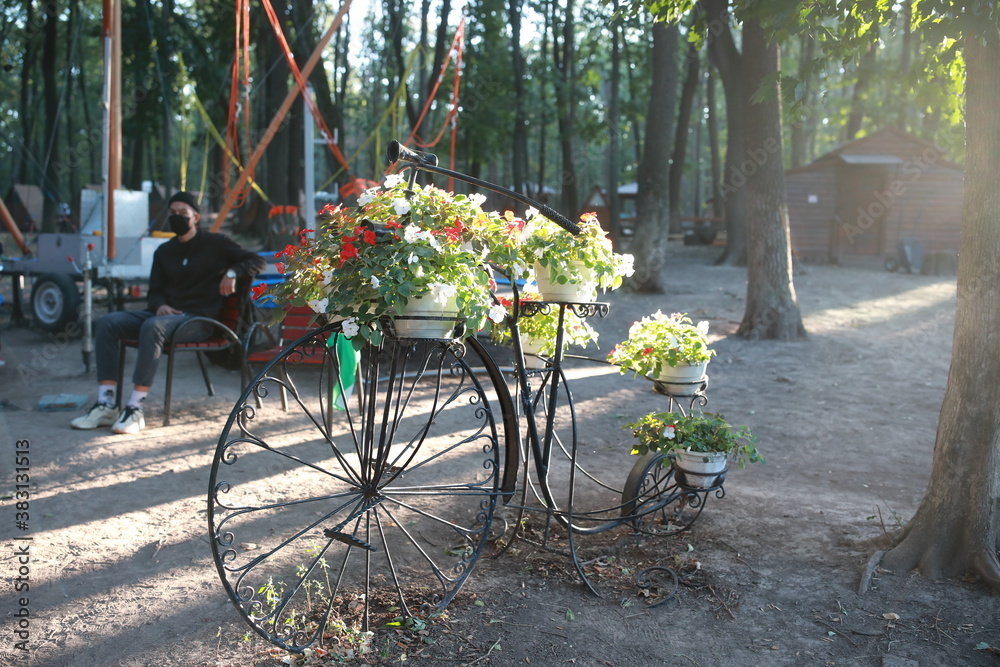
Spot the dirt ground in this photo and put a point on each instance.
(121, 572)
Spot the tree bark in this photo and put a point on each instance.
(519, 136)
(729, 63)
(565, 60)
(51, 143)
(866, 69)
(691, 80)
(614, 130)
(712, 122)
(652, 219)
(27, 172)
(807, 51)
(957, 528)
(772, 310)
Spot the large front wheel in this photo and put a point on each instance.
(354, 512)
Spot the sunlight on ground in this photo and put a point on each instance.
(875, 311)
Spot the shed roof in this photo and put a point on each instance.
(875, 158)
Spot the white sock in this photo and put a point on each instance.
(106, 394)
(136, 399)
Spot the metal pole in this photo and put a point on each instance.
(308, 212)
(88, 308)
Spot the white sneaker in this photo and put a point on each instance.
(130, 421)
(96, 417)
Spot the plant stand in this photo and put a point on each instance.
(654, 499)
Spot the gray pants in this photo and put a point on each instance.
(150, 330)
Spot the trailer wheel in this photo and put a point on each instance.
(55, 301)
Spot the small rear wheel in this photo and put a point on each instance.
(654, 503)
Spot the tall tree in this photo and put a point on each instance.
(653, 199)
(957, 526)
(564, 57)
(772, 310)
(728, 61)
(691, 80)
(51, 143)
(519, 145)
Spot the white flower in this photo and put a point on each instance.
(401, 206)
(328, 276)
(413, 259)
(703, 327)
(529, 288)
(392, 180)
(375, 282)
(319, 305)
(477, 199)
(628, 265)
(350, 327)
(530, 213)
(497, 313)
(412, 234)
(367, 196)
(441, 292)
(669, 432)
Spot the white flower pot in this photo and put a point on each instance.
(584, 291)
(531, 347)
(682, 379)
(423, 317)
(699, 470)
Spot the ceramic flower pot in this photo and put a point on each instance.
(424, 317)
(682, 379)
(570, 292)
(531, 348)
(699, 470)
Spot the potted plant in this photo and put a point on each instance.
(538, 331)
(670, 349)
(699, 445)
(571, 267)
(399, 249)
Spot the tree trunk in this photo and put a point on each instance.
(957, 528)
(712, 121)
(772, 310)
(652, 219)
(519, 136)
(691, 80)
(865, 72)
(27, 172)
(614, 130)
(51, 182)
(807, 51)
(729, 63)
(565, 60)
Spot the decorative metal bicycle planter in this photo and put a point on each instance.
(373, 508)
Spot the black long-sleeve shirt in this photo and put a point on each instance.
(186, 276)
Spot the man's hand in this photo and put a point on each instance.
(227, 286)
(167, 310)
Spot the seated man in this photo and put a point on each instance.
(191, 275)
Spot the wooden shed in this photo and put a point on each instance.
(865, 196)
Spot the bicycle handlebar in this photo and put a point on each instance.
(395, 152)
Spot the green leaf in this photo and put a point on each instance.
(570, 616)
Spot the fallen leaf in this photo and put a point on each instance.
(891, 617)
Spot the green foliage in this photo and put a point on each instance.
(669, 432)
(564, 255)
(543, 327)
(662, 340)
(367, 263)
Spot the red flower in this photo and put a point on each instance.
(280, 266)
(393, 224)
(346, 252)
(329, 209)
(289, 251)
(369, 237)
(648, 350)
(258, 290)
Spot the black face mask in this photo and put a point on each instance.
(179, 224)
